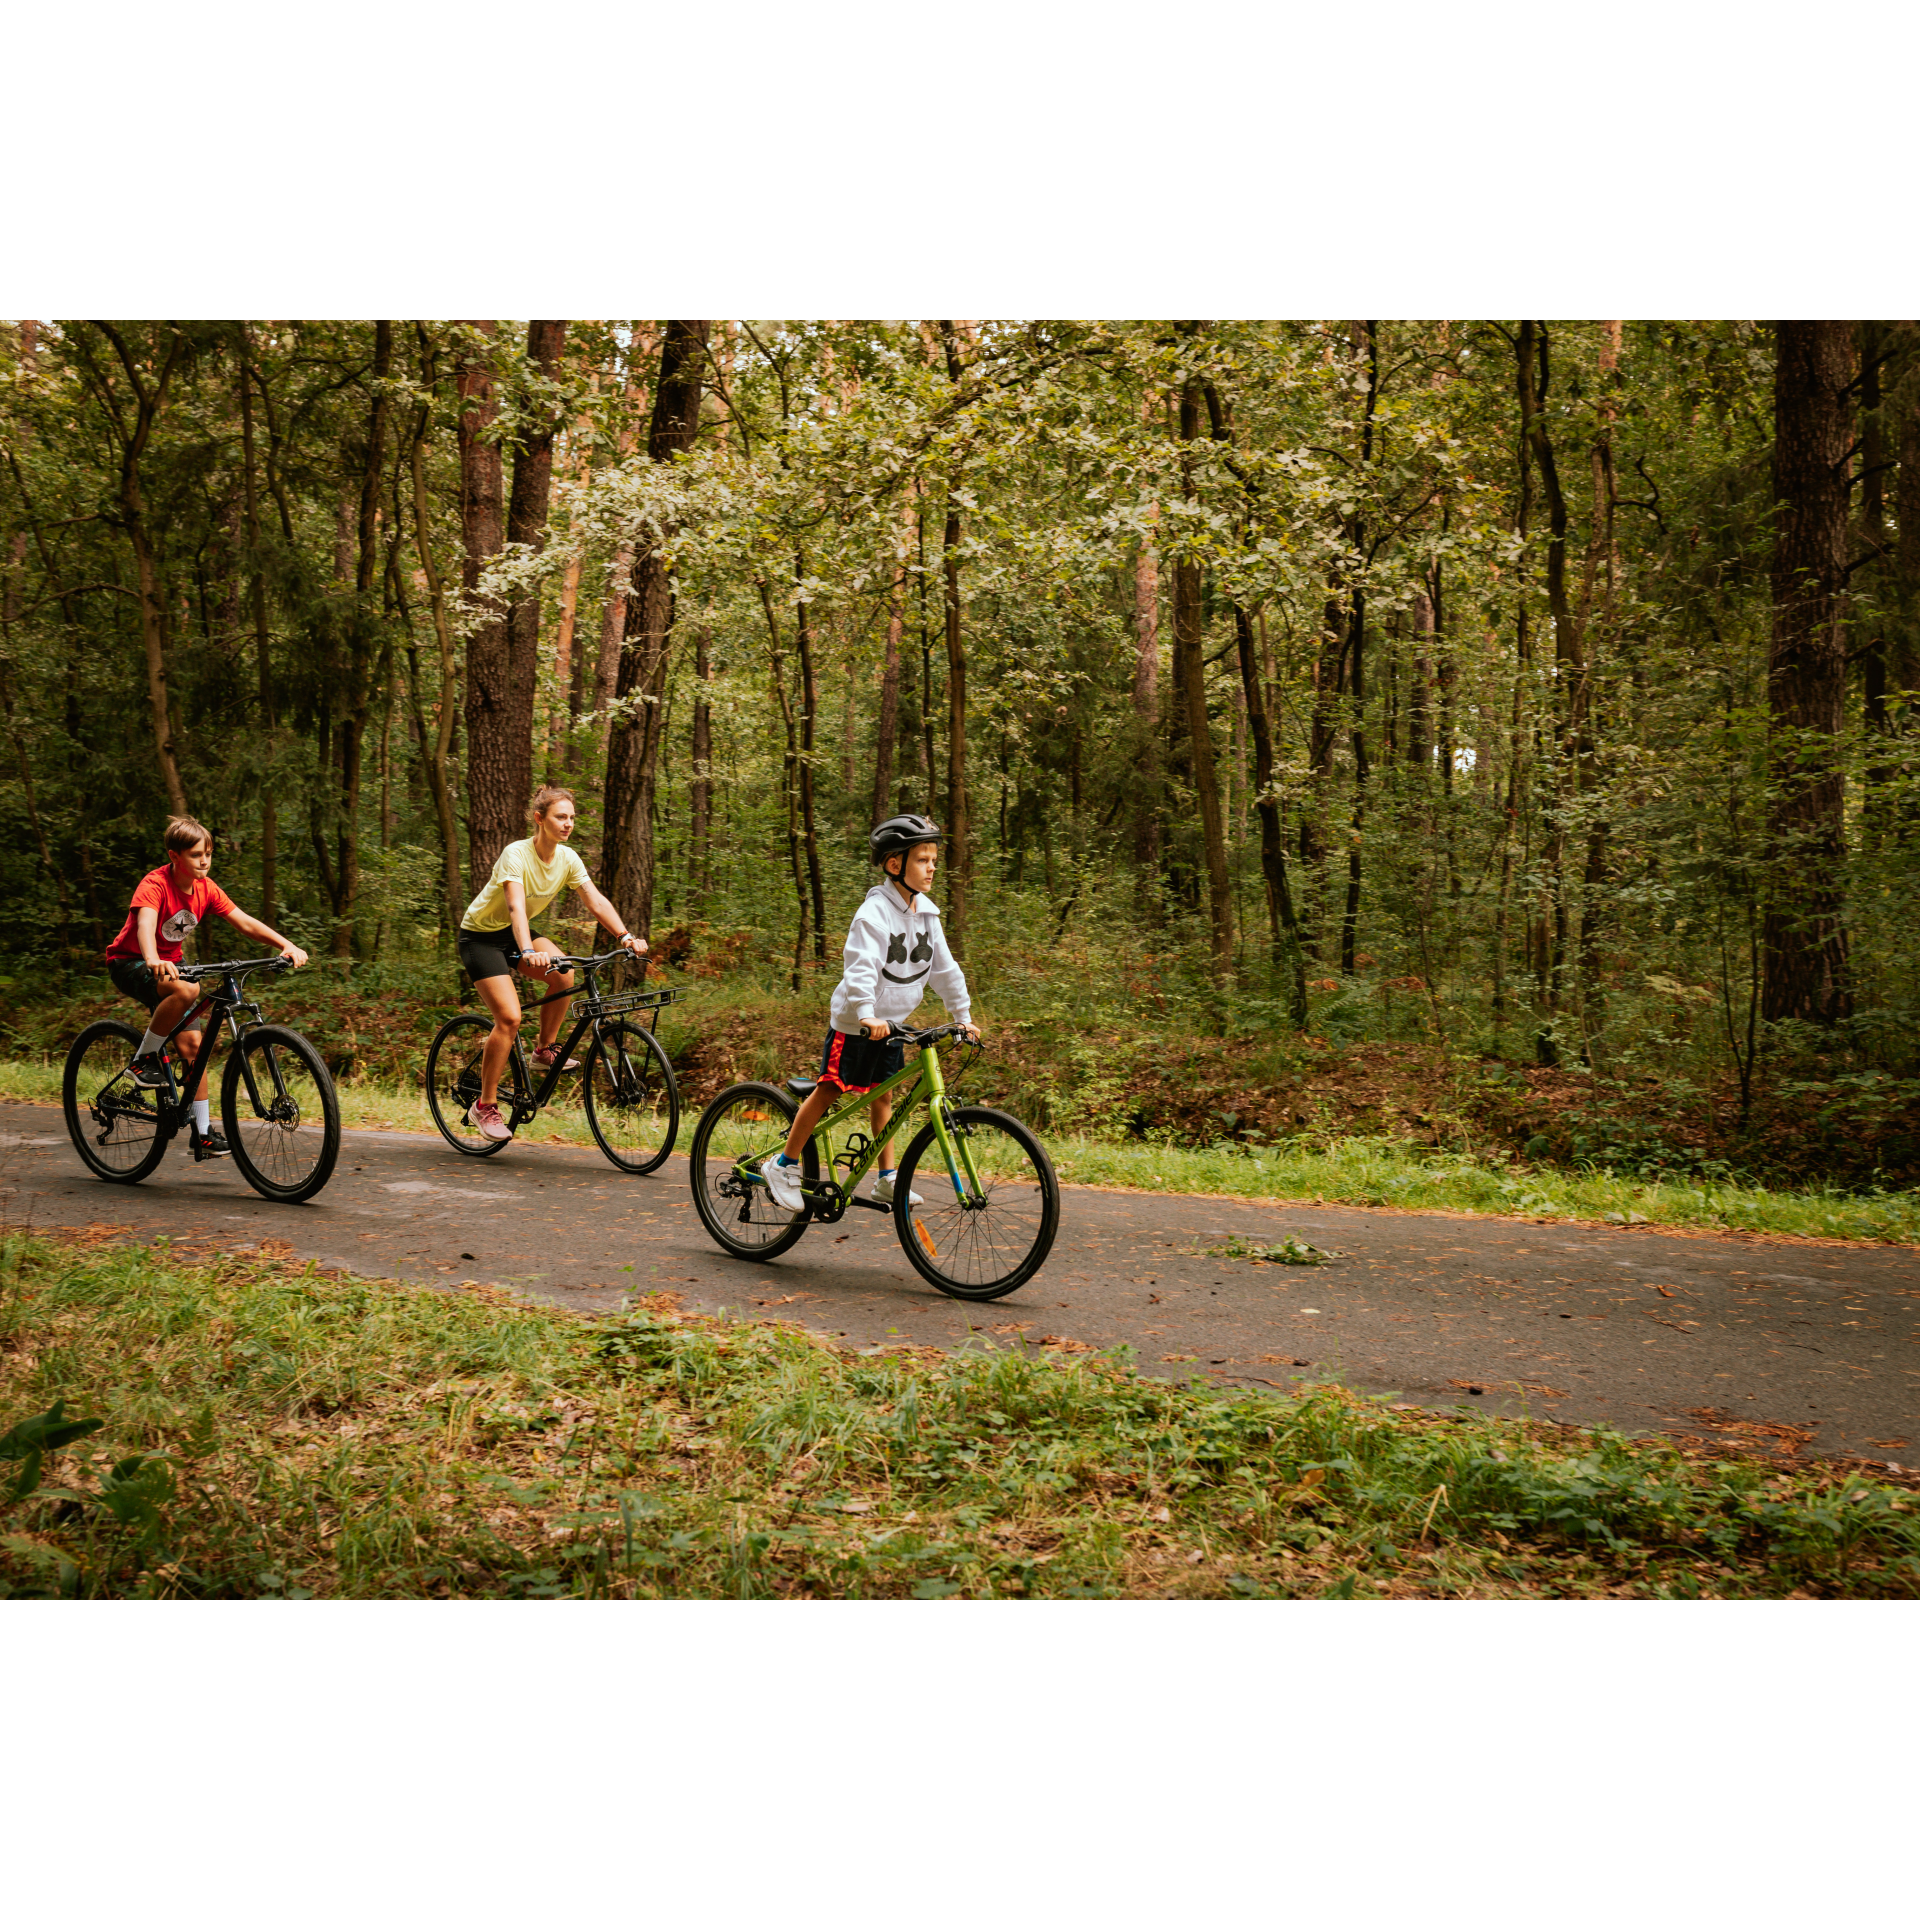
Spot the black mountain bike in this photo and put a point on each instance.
(277, 1103)
(630, 1094)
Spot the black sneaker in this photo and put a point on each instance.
(210, 1145)
(149, 1071)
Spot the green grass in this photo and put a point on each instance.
(1387, 1173)
(270, 1430)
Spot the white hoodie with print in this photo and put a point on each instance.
(893, 954)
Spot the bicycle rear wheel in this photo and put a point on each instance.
(116, 1127)
(453, 1083)
(282, 1115)
(986, 1243)
(632, 1098)
(741, 1127)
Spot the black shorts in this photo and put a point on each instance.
(853, 1063)
(493, 956)
(135, 979)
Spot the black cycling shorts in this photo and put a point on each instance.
(493, 956)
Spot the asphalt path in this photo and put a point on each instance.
(1635, 1328)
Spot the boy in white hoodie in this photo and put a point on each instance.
(895, 949)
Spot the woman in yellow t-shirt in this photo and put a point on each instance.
(496, 937)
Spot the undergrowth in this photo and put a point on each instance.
(271, 1430)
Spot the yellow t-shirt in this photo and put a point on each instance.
(542, 881)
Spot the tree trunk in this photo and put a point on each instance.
(363, 637)
(1146, 698)
(438, 742)
(809, 722)
(959, 838)
(527, 503)
(700, 787)
(1904, 664)
(131, 516)
(1803, 934)
(633, 748)
(493, 800)
(1187, 639)
(263, 652)
(885, 745)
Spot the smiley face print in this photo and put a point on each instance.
(898, 955)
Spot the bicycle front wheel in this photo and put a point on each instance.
(281, 1113)
(993, 1237)
(740, 1128)
(116, 1127)
(453, 1083)
(632, 1098)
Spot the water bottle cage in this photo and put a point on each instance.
(857, 1144)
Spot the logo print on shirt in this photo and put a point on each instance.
(897, 953)
(177, 926)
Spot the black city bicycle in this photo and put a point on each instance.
(630, 1094)
(277, 1103)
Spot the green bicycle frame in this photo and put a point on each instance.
(923, 1077)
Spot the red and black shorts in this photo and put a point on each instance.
(853, 1063)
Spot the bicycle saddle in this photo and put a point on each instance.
(801, 1088)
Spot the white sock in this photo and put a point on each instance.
(203, 1116)
(150, 1042)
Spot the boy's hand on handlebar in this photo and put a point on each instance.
(294, 956)
(166, 972)
(878, 1029)
(633, 943)
(971, 1031)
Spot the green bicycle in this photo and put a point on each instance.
(984, 1227)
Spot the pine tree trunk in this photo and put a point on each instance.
(1803, 935)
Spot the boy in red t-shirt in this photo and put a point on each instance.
(143, 961)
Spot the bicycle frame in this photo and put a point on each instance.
(598, 1007)
(922, 1078)
(222, 1007)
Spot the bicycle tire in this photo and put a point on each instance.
(288, 1152)
(453, 1083)
(133, 1116)
(946, 1242)
(618, 1092)
(746, 1223)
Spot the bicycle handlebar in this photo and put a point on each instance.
(202, 970)
(928, 1036)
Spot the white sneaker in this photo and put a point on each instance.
(783, 1184)
(486, 1120)
(883, 1192)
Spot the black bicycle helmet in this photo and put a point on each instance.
(893, 836)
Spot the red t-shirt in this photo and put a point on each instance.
(179, 914)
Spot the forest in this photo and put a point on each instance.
(1500, 734)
